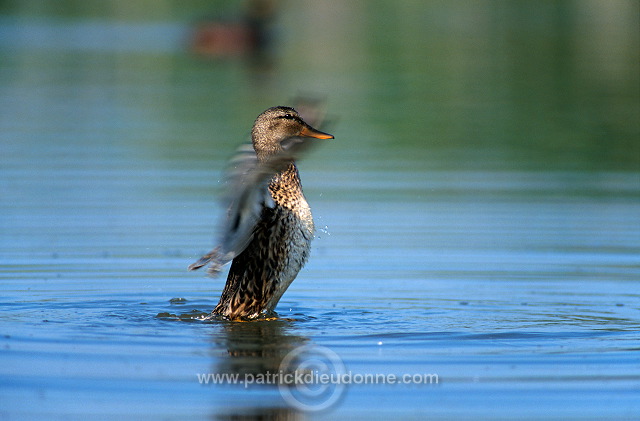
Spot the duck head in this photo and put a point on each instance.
(277, 124)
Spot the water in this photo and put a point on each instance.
(494, 256)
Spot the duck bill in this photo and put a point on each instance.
(308, 131)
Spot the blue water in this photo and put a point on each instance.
(512, 285)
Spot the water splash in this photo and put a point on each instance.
(324, 230)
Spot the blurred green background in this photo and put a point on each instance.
(483, 85)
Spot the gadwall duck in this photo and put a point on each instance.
(268, 230)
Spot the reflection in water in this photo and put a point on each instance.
(257, 349)
(275, 414)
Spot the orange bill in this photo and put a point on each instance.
(308, 131)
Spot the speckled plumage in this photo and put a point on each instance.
(269, 228)
(280, 247)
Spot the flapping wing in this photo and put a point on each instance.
(243, 201)
(247, 195)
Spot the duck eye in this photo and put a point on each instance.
(288, 116)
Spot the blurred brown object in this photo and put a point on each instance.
(249, 35)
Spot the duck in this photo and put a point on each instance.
(268, 228)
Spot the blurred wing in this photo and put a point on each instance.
(311, 109)
(247, 195)
(244, 203)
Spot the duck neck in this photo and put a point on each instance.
(264, 147)
(288, 176)
(285, 187)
